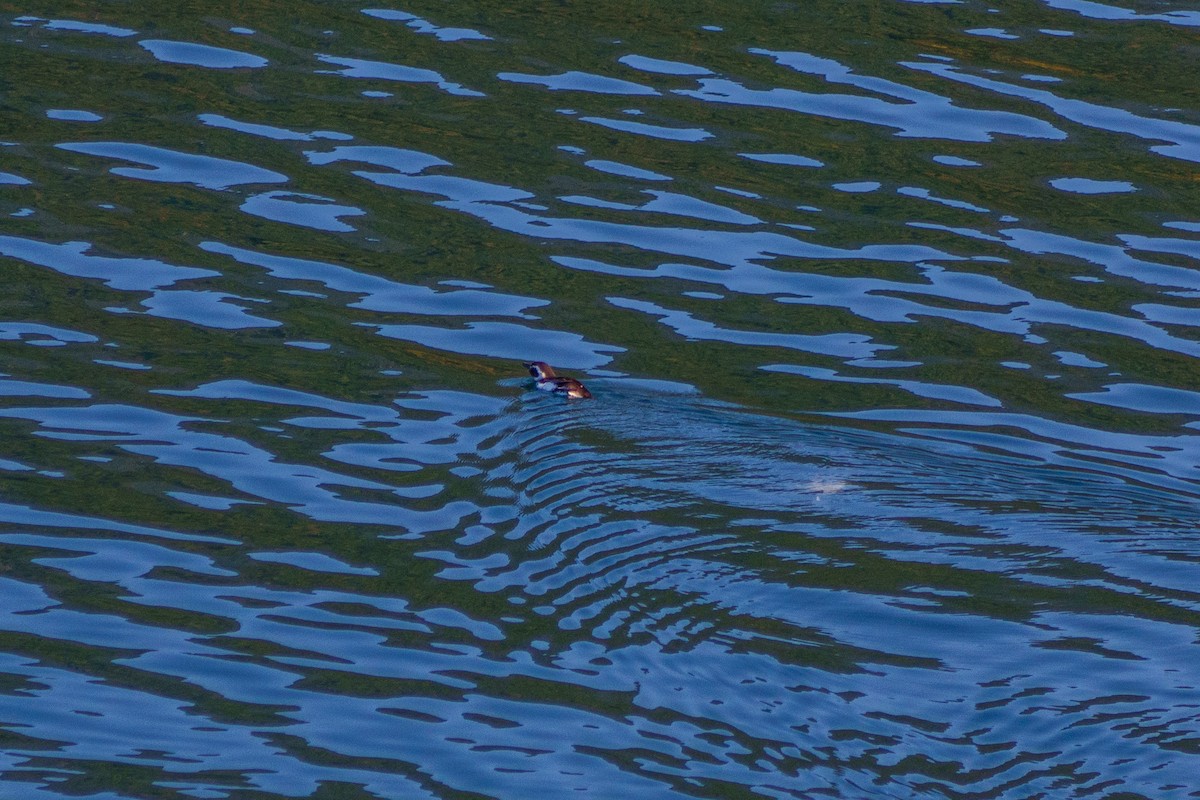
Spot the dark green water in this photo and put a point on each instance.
(890, 482)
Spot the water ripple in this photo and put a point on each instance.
(171, 166)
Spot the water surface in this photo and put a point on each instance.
(890, 483)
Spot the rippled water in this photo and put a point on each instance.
(889, 486)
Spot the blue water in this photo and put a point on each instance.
(890, 482)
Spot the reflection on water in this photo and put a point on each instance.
(890, 482)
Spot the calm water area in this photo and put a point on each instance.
(889, 487)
